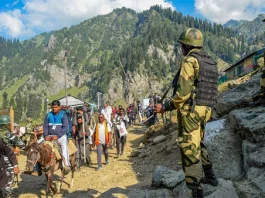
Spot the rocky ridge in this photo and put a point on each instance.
(236, 146)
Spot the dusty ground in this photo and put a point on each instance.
(114, 180)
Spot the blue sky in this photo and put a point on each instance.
(187, 7)
(24, 19)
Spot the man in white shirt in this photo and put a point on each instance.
(121, 122)
(107, 111)
(102, 139)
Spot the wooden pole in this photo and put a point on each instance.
(83, 127)
(65, 81)
(11, 115)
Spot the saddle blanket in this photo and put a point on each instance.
(55, 148)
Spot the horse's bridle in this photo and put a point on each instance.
(36, 160)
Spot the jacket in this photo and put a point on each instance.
(78, 135)
(55, 124)
(5, 151)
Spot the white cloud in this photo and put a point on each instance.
(11, 24)
(46, 15)
(221, 11)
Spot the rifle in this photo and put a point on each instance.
(173, 84)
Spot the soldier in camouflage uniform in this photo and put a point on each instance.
(196, 93)
(8, 162)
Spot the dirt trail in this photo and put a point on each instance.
(114, 180)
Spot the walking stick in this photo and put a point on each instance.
(83, 126)
(147, 119)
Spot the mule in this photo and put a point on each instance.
(42, 154)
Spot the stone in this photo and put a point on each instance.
(159, 129)
(161, 148)
(259, 182)
(249, 123)
(225, 189)
(172, 178)
(251, 188)
(248, 148)
(159, 139)
(237, 96)
(157, 175)
(225, 151)
(136, 152)
(181, 191)
(257, 158)
(144, 154)
(150, 140)
(141, 145)
(138, 193)
(168, 178)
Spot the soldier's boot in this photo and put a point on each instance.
(209, 176)
(197, 193)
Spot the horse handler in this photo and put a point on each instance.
(79, 138)
(5, 188)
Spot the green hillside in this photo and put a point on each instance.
(98, 48)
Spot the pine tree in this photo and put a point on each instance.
(5, 100)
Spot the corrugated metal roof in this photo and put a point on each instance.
(242, 59)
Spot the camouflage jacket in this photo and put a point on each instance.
(188, 73)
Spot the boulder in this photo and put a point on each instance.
(138, 193)
(248, 148)
(172, 178)
(167, 178)
(157, 175)
(225, 150)
(249, 123)
(247, 189)
(224, 189)
(181, 191)
(257, 158)
(237, 96)
(159, 139)
(259, 182)
(159, 129)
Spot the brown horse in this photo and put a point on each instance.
(42, 154)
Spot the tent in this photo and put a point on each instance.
(72, 101)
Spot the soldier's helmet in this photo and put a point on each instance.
(5, 119)
(192, 37)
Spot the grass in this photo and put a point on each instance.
(224, 86)
(13, 88)
(222, 65)
(74, 91)
(121, 102)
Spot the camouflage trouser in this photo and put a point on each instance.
(193, 153)
(8, 190)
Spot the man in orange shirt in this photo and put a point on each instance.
(102, 137)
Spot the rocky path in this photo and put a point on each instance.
(114, 180)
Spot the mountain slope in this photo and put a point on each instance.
(123, 54)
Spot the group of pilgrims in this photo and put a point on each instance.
(89, 132)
